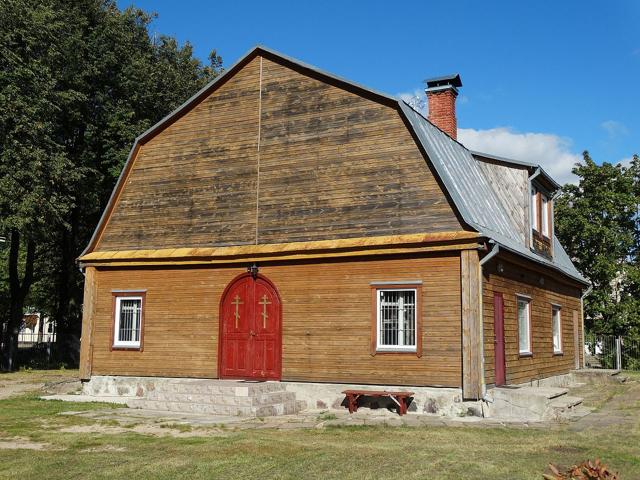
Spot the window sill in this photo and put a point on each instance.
(126, 347)
(526, 354)
(558, 354)
(395, 350)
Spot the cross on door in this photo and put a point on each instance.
(264, 301)
(237, 302)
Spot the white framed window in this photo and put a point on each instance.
(557, 328)
(127, 329)
(545, 216)
(534, 208)
(396, 320)
(524, 324)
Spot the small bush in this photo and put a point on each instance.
(324, 416)
(585, 471)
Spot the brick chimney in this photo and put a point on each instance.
(441, 94)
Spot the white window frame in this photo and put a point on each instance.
(556, 309)
(526, 299)
(534, 208)
(545, 221)
(117, 343)
(397, 348)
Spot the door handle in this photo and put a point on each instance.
(252, 333)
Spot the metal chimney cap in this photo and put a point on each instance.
(452, 80)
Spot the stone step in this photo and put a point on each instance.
(565, 408)
(598, 376)
(203, 398)
(577, 412)
(565, 402)
(526, 402)
(218, 387)
(527, 392)
(187, 407)
(270, 398)
(142, 386)
(253, 399)
(286, 408)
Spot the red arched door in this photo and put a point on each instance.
(250, 330)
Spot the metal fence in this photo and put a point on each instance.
(610, 351)
(29, 339)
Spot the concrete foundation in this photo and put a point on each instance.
(218, 396)
(545, 399)
(426, 400)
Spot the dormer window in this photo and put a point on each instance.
(545, 218)
(540, 213)
(534, 209)
(541, 221)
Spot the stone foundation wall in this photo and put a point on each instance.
(311, 396)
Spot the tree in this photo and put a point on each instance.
(597, 222)
(88, 78)
(33, 168)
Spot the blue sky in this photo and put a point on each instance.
(543, 80)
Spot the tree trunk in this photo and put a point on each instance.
(18, 291)
(68, 323)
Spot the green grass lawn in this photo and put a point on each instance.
(464, 452)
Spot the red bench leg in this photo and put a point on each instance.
(352, 401)
(403, 405)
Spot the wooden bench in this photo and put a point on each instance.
(400, 398)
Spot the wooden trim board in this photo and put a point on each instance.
(289, 251)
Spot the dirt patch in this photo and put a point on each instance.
(614, 407)
(104, 449)
(12, 389)
(21, 443)
(19, 383)
(94, 429)
(63, 387)
(566, 449)
(156, 430)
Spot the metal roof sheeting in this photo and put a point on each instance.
(474, 196)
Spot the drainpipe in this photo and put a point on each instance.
(494, 251)
(584, 295)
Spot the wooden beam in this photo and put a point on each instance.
(472, 347)
(440, 241)
(88, 315)
(274, 258)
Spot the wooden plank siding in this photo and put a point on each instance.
(274, 155)
(326, 320)
(514, 280)
(511, 186)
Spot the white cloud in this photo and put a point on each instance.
(614, 129)
(416, 99)
(551, 151)
(626, 162)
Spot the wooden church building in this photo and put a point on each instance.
(287, 224)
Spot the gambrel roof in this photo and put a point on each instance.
(475, 197)
(472, 193)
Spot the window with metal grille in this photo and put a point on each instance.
(396, 320)
(127, 322)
